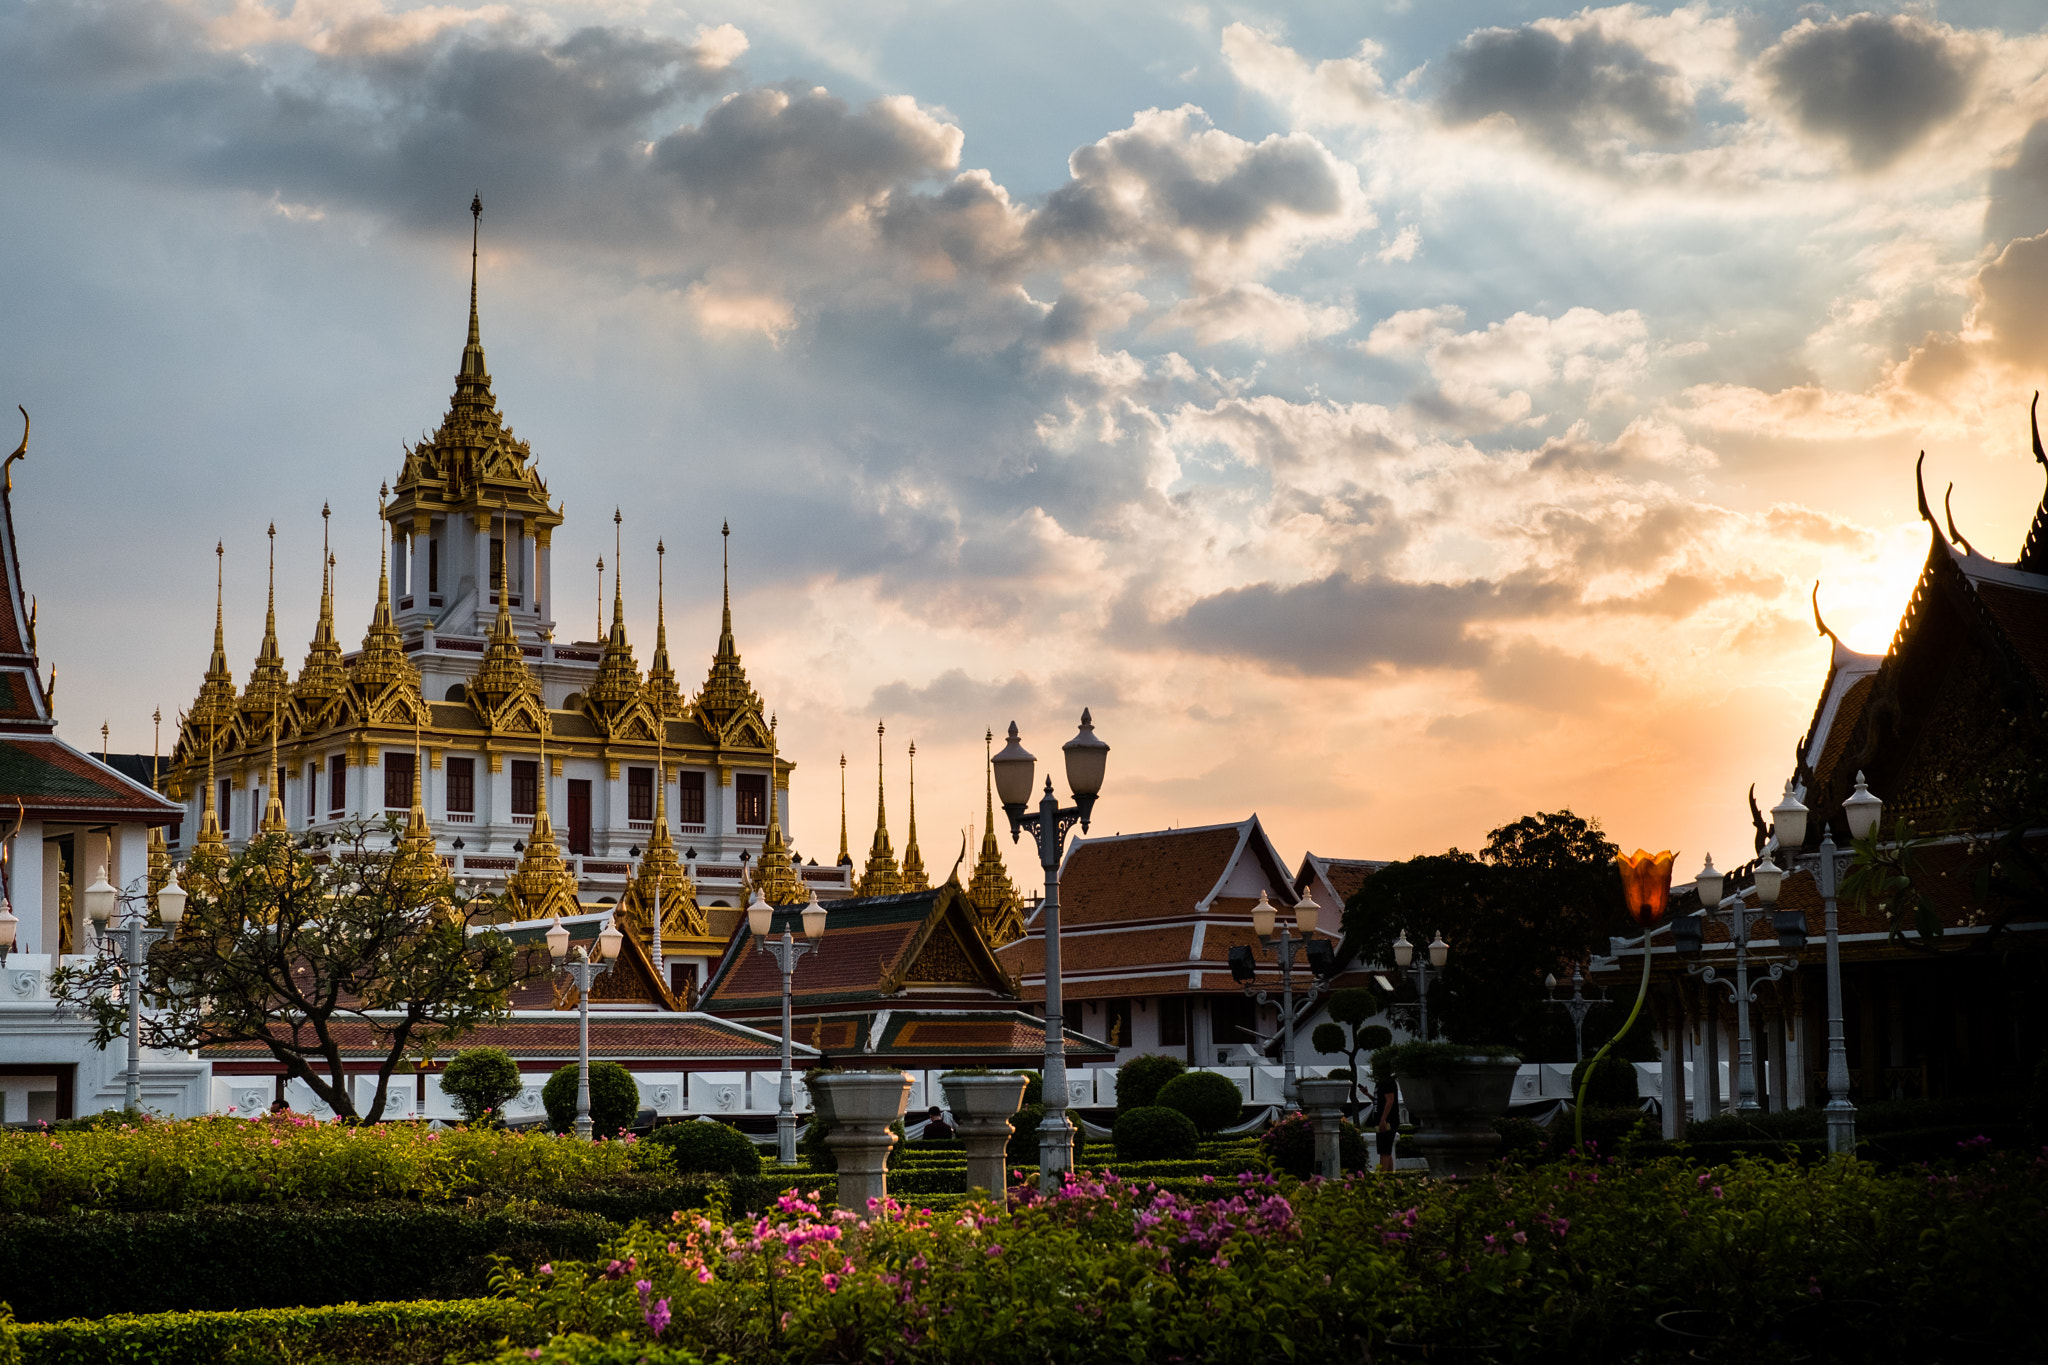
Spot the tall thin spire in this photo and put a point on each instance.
(269, 681)
(476, 227)
(914, 878)
(617, 685)
(323, 676)
(726, 690)
(994, 897)
(777, 879)
(881, 877)
(382, 661)
(845, 858)
(663, 696)
(214, 707)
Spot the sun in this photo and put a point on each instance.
(1862, 597)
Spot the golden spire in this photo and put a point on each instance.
(214, 707)
(618, 677)
(269, 681)
(845, 858)
(914, 878)
(416, 860)
(473, 384)
(726, 690)
(990, 890)
(663, 696)
(159, 849)
(778, 880)
(324, 676)
(662, 900)
(880, 878)
(503, 673)
(382, 661)
(273, 809)
(211, 844)
(543, 885)
(600, 596)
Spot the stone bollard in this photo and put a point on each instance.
(982, 1109)
(1323, 1101)
(862, 1105)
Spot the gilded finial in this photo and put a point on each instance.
(21, 450)
(914, 878)
(845, 857)
(881, 876)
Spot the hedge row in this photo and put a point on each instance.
(348, 1334)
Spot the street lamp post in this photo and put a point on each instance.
(1861, 812)
(100, 899)
(1285, 947)
(1578, 1007)
(1421, 969)
(785, 949)
(584, 970)
(1767, 877)
(1086, 756)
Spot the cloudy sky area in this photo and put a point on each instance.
(1389, 418)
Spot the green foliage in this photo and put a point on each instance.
(1034, 1086)
(716, 1148)
(1543, 888)
(1613, 1084)
(1374, 1038)
(1329, 1038)
(279, 1158)
(1213, 1101)
(1289, 1147)
(1022, 1149)
(1569, 1266)
(1354, 1005)
(277, 1256)
(289, 953)
(1139, 1079)
(1431, 1059)
(401, 1333)
(580, 1348)
(614, 1098)
(480, 1080)
(1155, 1133)
(10, 1345)
(1890, 876)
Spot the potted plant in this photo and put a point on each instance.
(1454, 1092)
(861, 1106)
(983, 1103)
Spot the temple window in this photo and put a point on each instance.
(525, 785)
(398, 769)
(433, 564)
(461, 783)
(640, 795)
(1173, 1021)
(337, 786)
(750, 796)
(690, 800)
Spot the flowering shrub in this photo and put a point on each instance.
(275, 1158)
(1289, 1146)
(1577, 1260)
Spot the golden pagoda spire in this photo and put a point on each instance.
(663, 696)
(990, 891)
(880, 878)
(726, 690)
(778, 880)
(324, 676)
(269, 681)
(416, 859)
(617, 684)
(273, 809)
(845, 858)
(159, 848)
(662, 899)
(914, 878)
(543, 884)
(503, 673)
(211, 844)
(213, 710)
(382, 661)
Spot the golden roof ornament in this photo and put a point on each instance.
(990, 890)
(914, 878)
(662, 881)
(617, 685)
(776, 875)
(270, 682)
(664, 698)
(273, 809)
(416, 862)
(880, 877)
(502, 675)
(381, 664)
(845, 858)
(726, 689)
(543, 886)
(324, 676)
(213, 709)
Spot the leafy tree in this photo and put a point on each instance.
(614, 1098)
(480, 1080)
(1139, 1079)
(1349, 1009)
(1542, 891)
(1212, 1100)
(315, 958)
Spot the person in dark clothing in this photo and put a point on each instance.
(1386, 1112)
(935, 1125)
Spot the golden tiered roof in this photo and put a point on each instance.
(662, 695)
(662, 880)
(616, 690)
(473, 463)
(502, 680)
(381, 665)
(416, 862)
(775, 875)
(212, 715)
(323, 676)
(543, 886)
(880, 877)
(914, 878)
(990, 890)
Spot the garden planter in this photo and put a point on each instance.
(1454, 1109)
(860, 1106)
(1323, 1101)
(982, 1109)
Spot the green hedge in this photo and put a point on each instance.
(385, 1333)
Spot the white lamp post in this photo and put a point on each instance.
(584, 969)
(1285, 948)
(785, 949)
(101, 899)
(1404, 958)
(1087, 756)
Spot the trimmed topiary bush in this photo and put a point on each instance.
(712, 1148)
(480, 1080)
(614, 1099)
(1023, 1146)
(1139, 1079)
(1289, 1146)
(1213, 1101)
(1155, 1133)
(1034, 1086)
(1614, 1084)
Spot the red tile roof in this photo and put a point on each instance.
(692, 1037)
(51, 778)
(1144, 876)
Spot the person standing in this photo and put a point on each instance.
(1386, 1110)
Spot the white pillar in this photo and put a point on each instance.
(1797, 1063)
(131, 858)
(1672, 1102)
(53, 921)
(25, 890)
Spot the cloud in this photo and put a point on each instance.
(2018, 204)
(1254, 312)
(1543, 678)
(1333, 93)
(2012, 307)
(954, 694)
(1568, 87)
(1876, 83)
(1486, 378)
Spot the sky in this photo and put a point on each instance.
(1391, 419)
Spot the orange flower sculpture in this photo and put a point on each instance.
(1646, 880)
